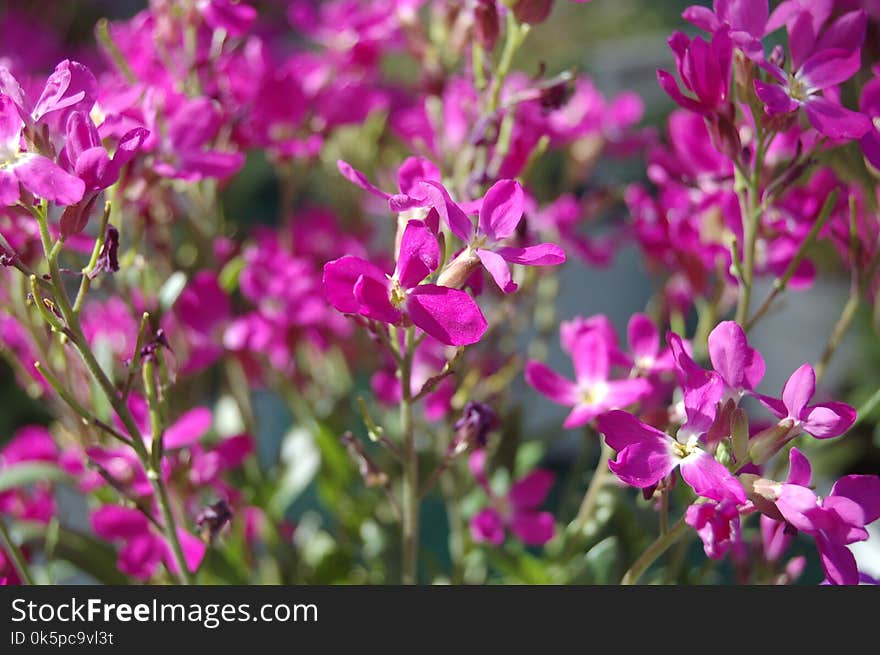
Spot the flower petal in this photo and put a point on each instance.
(419, 254)
(502, 209)
(549, 383)
(340, 276)
(828, 420)
(188, 429)
(643, 337)
(543, 254)
(533, 528)
(798, 390)
(644, 463)
(530, 491)
(711, 479)
(498, 269)
(44, 178)
(622, 429)
(449, 315)
(863, 490)
(835, 121)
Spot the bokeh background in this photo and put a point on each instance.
(620, 43)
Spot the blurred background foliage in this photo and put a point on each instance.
(620, 43)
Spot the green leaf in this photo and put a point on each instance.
(21, 475)
(602, 560)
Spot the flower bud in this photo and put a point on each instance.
(532, 11)
(768, 442)
(459, 270)
(487, 27)
(213, 518)
(472, 429)
(739, 435)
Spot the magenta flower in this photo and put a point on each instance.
(869, 104)
(143, 549)
(592, 392)
(355, 286)
(704, 69)
(718, 526)
(37, 174)
(702, 392)
(645, 455)
(411, 173)
(500, 213)
(740, 366)
(823, 420)
(186, 151)
(644, 345)
(745, 19)
(89, 159)
(517, 511)
(834, 521)
(818, 66)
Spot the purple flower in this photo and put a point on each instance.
(869, 104)
(818, 65)
(745, 19)
(355, 286)
(411, 173)
(37, 174)
(645, 455)
(500, 213)
(834, 521)
(644, 345)
(592, 392)
(517, 511)
(740, 366)
(702, 391)
(704, 69)
(823, 420)
(143, 549)
(186, 153)
(718, 526)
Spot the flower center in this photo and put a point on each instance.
(595, 393)
(798, 89)
(396, 294)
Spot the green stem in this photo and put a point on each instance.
(411, 468)
(76, 336)
(751, 218)
(15, 555)
(93, 261)
(654, 551)
(780, 284)
(588, 505)
(837, 334)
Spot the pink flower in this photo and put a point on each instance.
(517, 511)
(740, 366)
(644, 345)
(823, 420)
(143, 549)
(704, 69)
(818, 65)
(645, 456)
(869, 104)
(834, 521)
(718, 526)
(592, 392)
(37, 174)
(411, 173)
(500, 213)
(355, 286)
